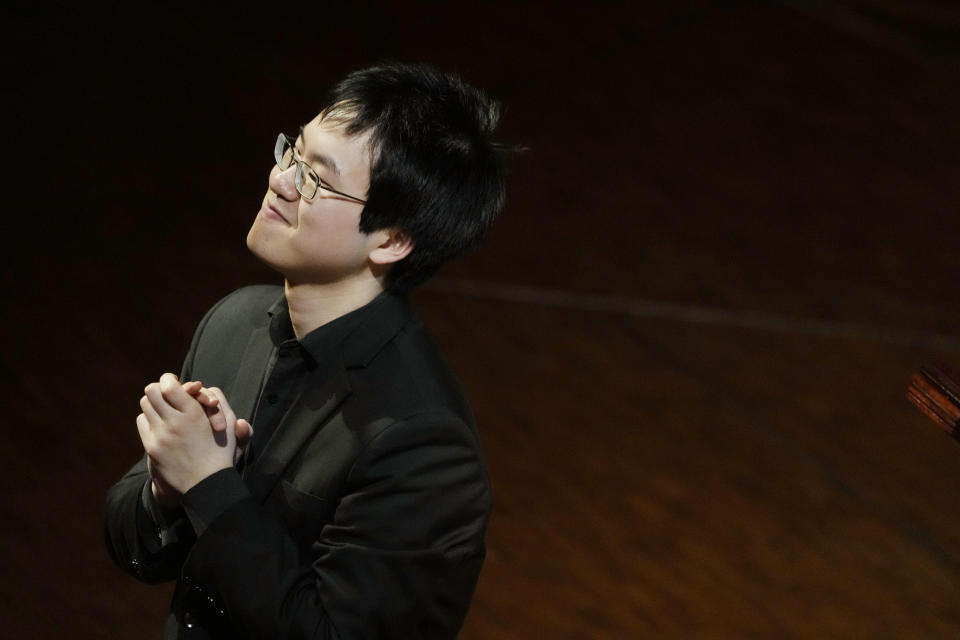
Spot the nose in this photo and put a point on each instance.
(282, 182)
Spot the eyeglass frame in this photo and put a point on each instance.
(284, 139)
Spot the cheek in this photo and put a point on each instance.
(336, 228)
(326, 218)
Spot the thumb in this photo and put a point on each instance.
(243, 431)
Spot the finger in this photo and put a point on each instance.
(192, 387)
(217, 393)
(173, 393)
(207, 399)
(229, 416)
(146, 435)
(195, 389)
(217, 418)
(244, 432)
(149, 413)
(156, 400)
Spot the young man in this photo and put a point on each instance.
(351, 498)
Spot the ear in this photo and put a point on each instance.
(392, 246)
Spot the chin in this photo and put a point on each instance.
(260, 247)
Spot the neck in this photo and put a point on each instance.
(314, 305)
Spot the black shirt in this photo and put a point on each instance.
(290, 363)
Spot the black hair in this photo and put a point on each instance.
(436, 172)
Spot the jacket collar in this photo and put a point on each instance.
(388, 314)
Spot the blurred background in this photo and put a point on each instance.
(687, 341)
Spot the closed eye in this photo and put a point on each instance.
(298, 156)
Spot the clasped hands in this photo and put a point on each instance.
(188, 432)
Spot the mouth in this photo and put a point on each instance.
(272, 213)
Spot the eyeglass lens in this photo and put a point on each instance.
(283, 152)
(305, 180)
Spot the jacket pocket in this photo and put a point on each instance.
(304, 514)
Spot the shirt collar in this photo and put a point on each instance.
(317, 345)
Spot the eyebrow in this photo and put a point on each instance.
(321, 158)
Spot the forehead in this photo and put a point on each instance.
(328, 141)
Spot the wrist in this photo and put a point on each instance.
(202, 474)
(217, 493)
(166, 498)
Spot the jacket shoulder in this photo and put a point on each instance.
(409, 376)
(251, 303)
(243, 309)
(224, 331)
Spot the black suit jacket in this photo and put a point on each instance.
(362, 518)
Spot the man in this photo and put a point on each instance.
(350, 498)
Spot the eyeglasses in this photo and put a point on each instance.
(306, 179)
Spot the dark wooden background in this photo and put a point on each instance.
(732, 241)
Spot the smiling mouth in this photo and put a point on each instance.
(272, 213)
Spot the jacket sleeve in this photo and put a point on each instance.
(135, 541)
(399, 559)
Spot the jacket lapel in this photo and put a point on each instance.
(246, 388)
(320, 396)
